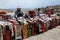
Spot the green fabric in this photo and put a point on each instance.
(29, 31)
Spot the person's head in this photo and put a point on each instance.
(18, 9)
(52, 9)
(38, 9)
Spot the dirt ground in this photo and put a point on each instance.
(53, 34)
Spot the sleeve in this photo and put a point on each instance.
(22, 13)
(15, 15)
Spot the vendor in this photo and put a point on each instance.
(3, 15)
(52, 11)
(47, 12)
(38, 12)
(32, 13)
(18, 13)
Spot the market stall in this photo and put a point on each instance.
(22, 28)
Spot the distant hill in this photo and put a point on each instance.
(12, 10)
(57, 7)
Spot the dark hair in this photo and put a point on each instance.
(7, 27)
(51, 9)
(58, 14)
(18, 9)
(38, 9)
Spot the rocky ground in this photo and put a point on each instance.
(53, 34)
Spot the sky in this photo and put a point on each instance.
(31, 4)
